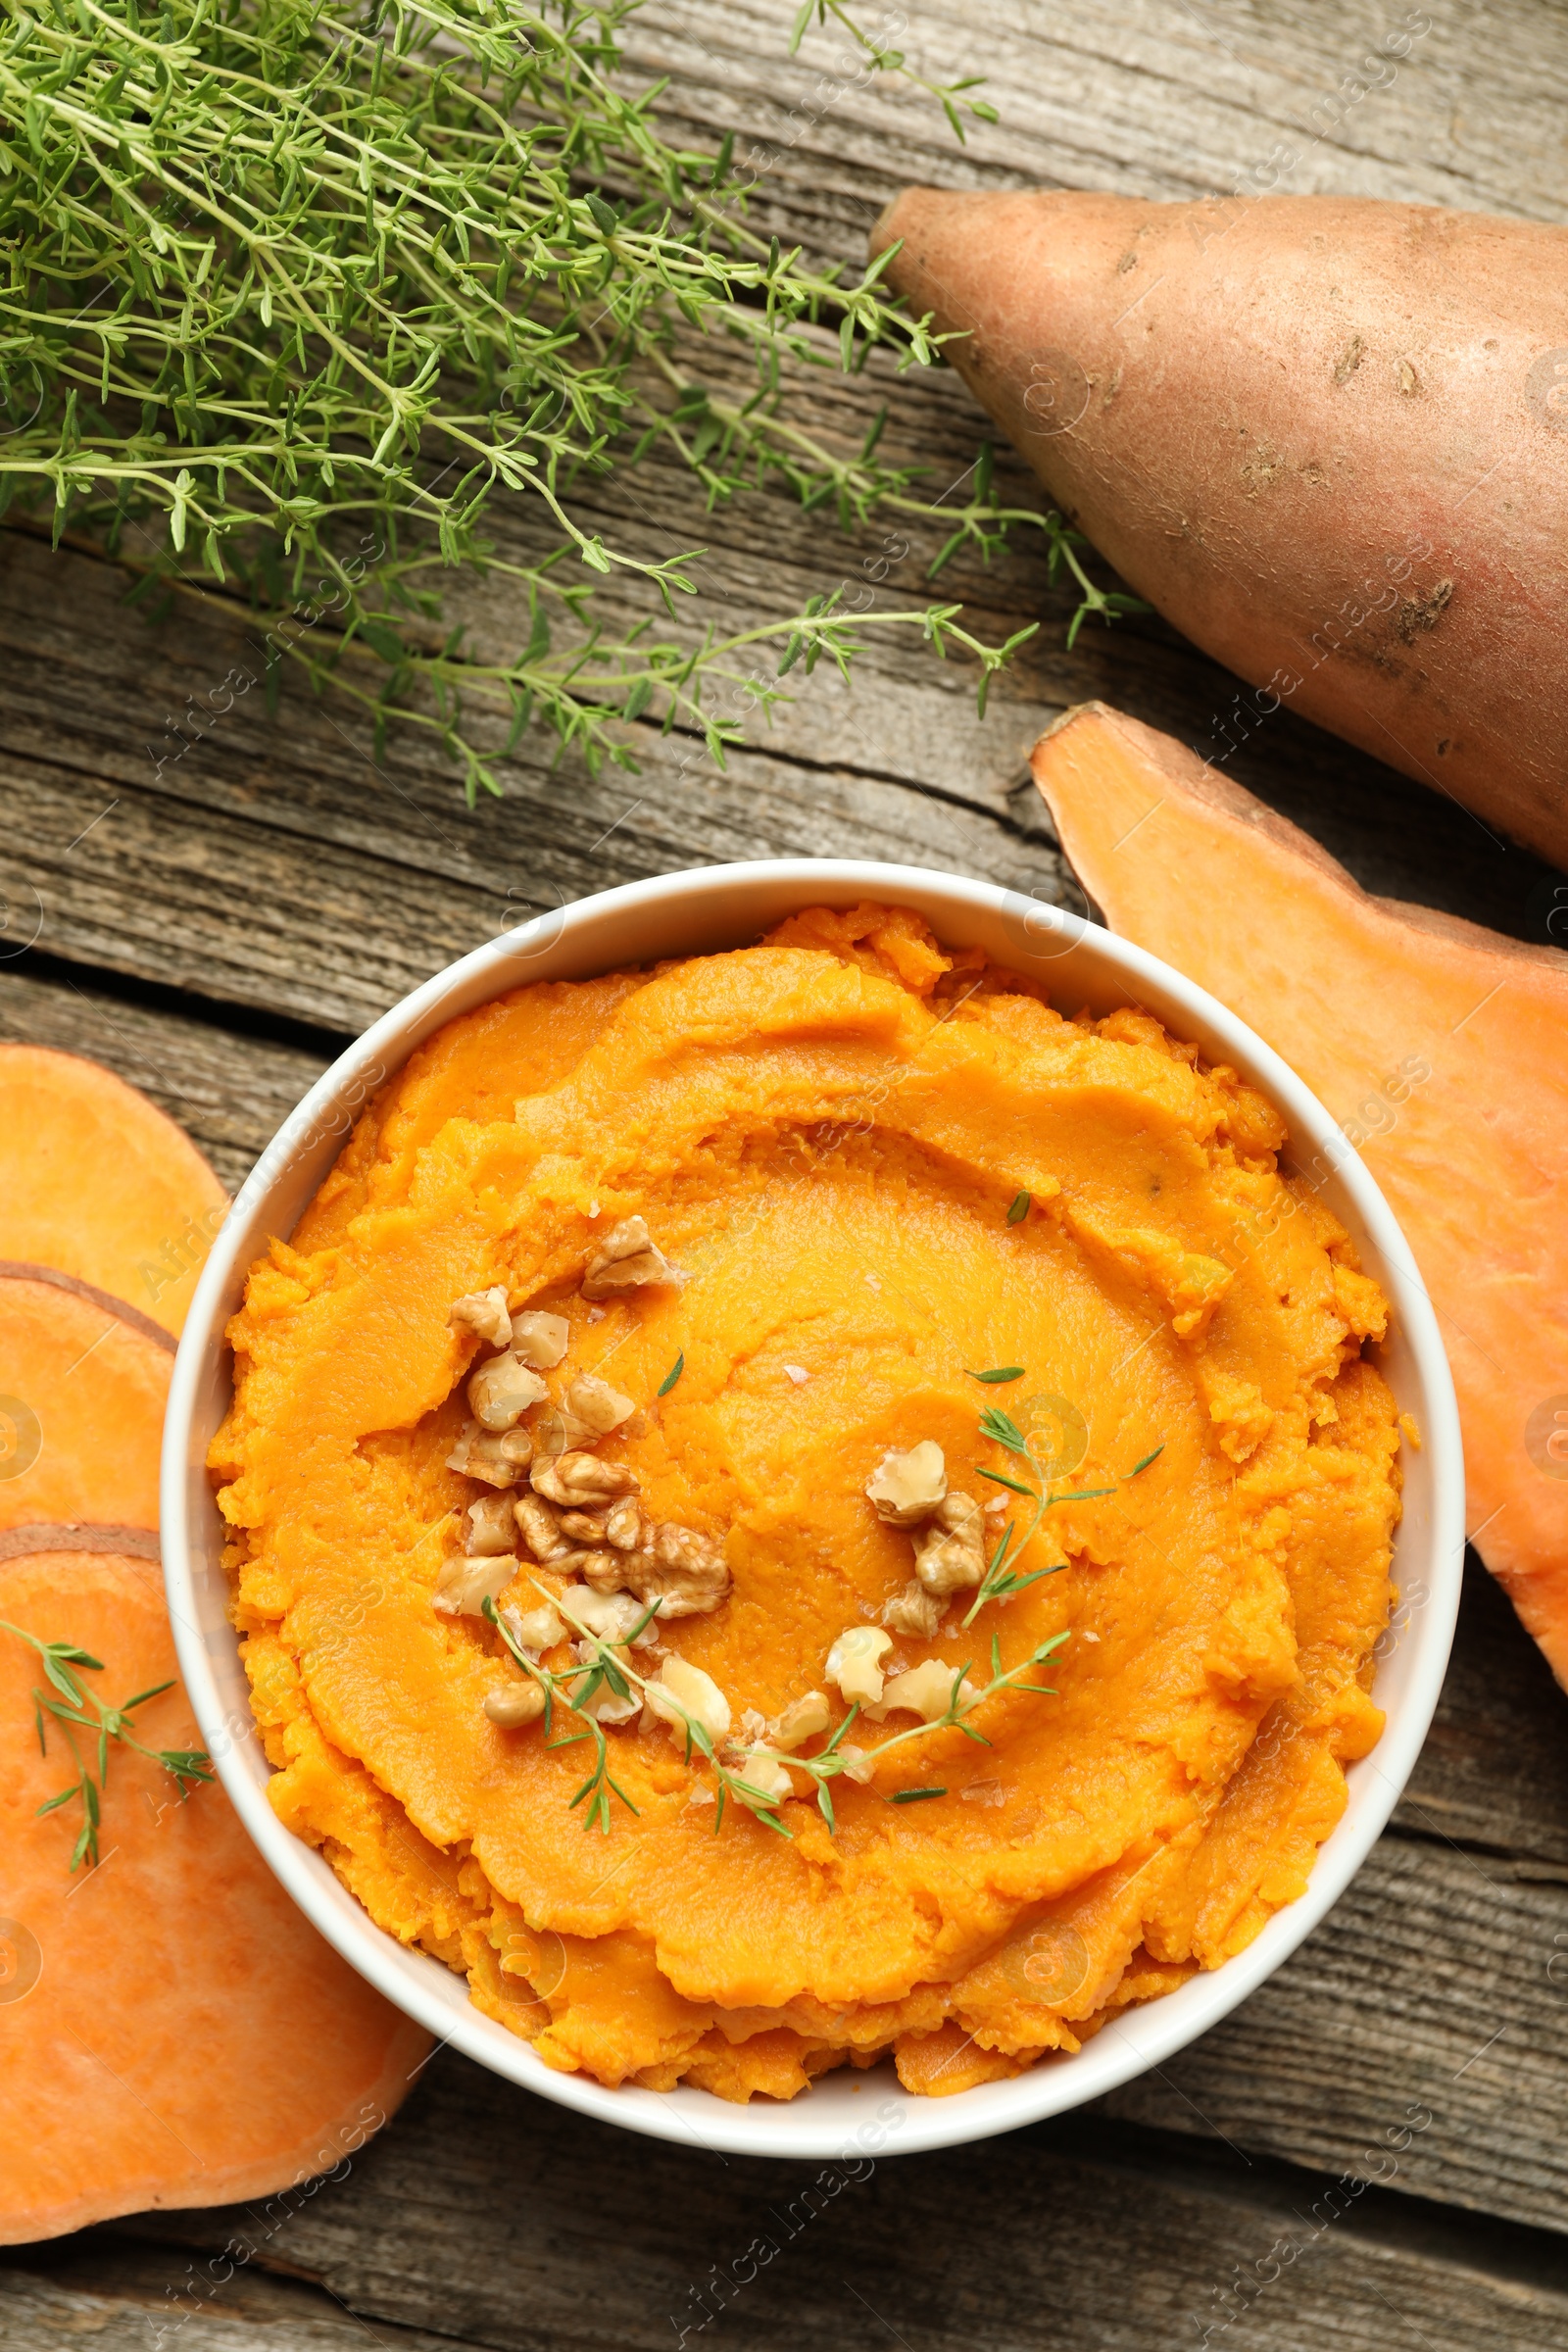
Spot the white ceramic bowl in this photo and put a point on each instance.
(729, 905)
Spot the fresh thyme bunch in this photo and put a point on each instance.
(298, 289)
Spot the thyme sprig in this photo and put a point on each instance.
(888, 60)
(303, 294)
(1002, 1581)
(67, 1700)
(603, 1663)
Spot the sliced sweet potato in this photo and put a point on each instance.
(1441, 1047)
(82, 1382)
(95, 1180)
(174, 2031)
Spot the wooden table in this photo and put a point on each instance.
(1370, 2152)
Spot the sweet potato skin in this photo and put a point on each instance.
(1326, 436)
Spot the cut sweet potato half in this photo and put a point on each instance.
(83, 1378)
(1441, 1047)
(174, 2031)
(95, 1180)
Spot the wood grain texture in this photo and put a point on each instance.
(490, 2218)
(274, 872)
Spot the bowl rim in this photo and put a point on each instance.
(563, 944)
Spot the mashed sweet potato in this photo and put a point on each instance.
(868, 1171)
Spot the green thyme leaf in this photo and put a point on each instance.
(1020, 1208)
(913, 1796)
(1000, 1373)
(1002, 1429)
(1000, 1478)
(1137, 1467)
(672, 1375)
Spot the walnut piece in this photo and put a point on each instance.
(596, 1405)
(540, 1338)
(798, 1722)
(518, 1704)
(604, 1570)
(498, 1456)
(581, 1481)
(585, 1526)
(492, 1528)
(685, 1692)
(854, 1662)
(949, 1553)
(766, 1773)
(501, 1392)
(540, 1529)
(925, 1690)
(915, 1611)
(535, 1630)
(624, 1260)
(682, 1568)
(464, 1585)
(623, 1525)
(483, 1311)
(610, 1615)
(907, 1487)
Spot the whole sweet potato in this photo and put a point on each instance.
(1326, 436)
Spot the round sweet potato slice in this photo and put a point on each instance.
(94, 1179)
(84, 1379)
(172, 2032)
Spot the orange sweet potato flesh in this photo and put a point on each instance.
(96, 1181)
(82, 1382)
(174, 2032)
(1325, 435)
(1443, 1050)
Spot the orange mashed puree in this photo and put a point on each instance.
(829, 1135)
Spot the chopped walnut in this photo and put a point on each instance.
(584, 1527)
(907, 1487)
(501, 1392)
(857, 1763)
(766, 1774)
(491, 1529)
(624, 1260)
(854, 1662)
(540, 1529)
(590, 1410)
(557, 1432)
(483, 1311)
(623, 1525)
(597, 1405)
(683, 1568)
(604, 1570)
(466, 1584)
(540, 1338)
(915, 1611)
(518, 1704)
(537, 1629)
(498, 1456)
(983, 1793)
(604, 1706)
(800, 1721)
(925, 1690)
(949, 1553)
(685, 1692)
(610, 1615)
(581, 1481)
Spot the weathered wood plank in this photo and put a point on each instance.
(489, 2218)
(1433, 1980)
